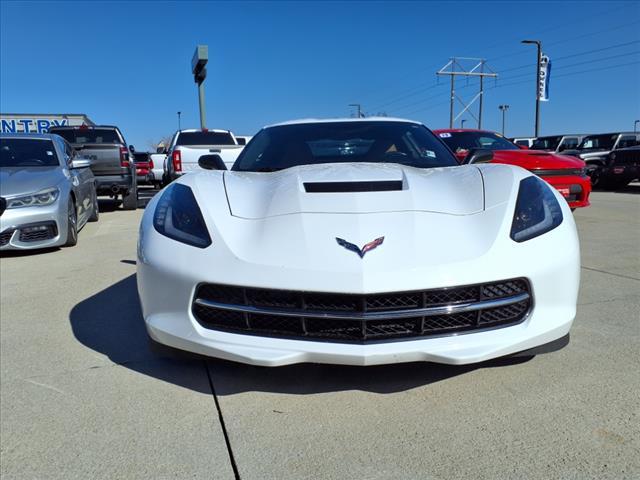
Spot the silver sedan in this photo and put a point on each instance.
(47, 193)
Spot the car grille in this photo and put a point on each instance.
(38, 233)
(361, 318)
(5, 237)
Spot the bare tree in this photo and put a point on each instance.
(164, 141)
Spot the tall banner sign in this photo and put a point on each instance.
(543, 78)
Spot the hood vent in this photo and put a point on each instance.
(350, 187)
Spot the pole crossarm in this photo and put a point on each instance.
(455, 67)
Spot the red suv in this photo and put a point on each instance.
(566, 174)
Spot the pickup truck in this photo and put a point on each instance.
(187, 146)
(595, 149)
(111, 160)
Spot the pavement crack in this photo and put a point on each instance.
(227, 441)
(610, 273)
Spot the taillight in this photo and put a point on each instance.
(150, 164)
(124, 157)
(176, 159)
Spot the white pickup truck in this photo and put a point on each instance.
(187, 146)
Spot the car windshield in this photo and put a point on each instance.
(205, 138)
(140, 157)
(27, 152)
(458, 141)
(546, 143)
(598, 142)
(88, 135)
(285, 146)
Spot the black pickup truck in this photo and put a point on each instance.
(111, 159)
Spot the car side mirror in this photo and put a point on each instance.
(132, 148)
(80, 163)
(211, 162)
(478, 155)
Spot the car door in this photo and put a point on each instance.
(82, 181)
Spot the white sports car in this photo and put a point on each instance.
(358, 242)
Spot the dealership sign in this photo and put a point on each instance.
(39, 123)
(543, 78)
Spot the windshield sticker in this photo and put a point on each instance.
(445, 135)
(430, 153)
(49, 152)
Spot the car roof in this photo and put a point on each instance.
(214, 130)
(41, 136)
(336, 120)
(462, 130)
(82, 126)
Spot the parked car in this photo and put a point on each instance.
(144, 167)
(566, 174)
(523, 142)
(111, 159)
(187, 146)
(621, 167)
(359, 242)
(595, 149)
(157, 168)
(47, 192)
(557, 143)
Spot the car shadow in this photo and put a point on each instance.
(110, 322)
(28, 253)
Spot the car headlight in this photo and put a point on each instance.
(178, 216)
(38, 199)
(537, 210)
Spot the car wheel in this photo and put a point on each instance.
(72, 224)
(130, 200)
(95, 211)
(595, 172)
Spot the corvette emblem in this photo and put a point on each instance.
(360, 251)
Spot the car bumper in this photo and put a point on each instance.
(15, 224)
(574, 189)
(109, 184)
(167, 285)
(621, 172)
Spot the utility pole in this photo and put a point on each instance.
(538, 44)
(456, 67)
(359, 107)
(179, 113)
(635, 126)
(504, 109)
(199, 70)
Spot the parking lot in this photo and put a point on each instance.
(82, 396)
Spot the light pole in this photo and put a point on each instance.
(635, 126)
(179, 113)
(462, 122)
(359, 107)
(538, 44)
(199, 70)
(504, 109)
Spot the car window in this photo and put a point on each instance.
(285, 146)
(27, 152)
(458, 141)
(205, 138)
(627, 141)
(88, 135)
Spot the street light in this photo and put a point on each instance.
(538, 44)
(179, 113)
(462, 122)
(635, 126)
(504, 109)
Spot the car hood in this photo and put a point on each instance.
(450, 190)
(24, 180)
(536, 159)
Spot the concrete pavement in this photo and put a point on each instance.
(82, 396)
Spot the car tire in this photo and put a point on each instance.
(95, 211)
(130, 200)
(594, 171)
(72, 224)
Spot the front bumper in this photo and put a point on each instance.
(167, 285)
(15, 222)
(575, 189)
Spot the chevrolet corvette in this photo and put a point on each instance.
(357, 242)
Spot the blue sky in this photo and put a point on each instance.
(128, 63)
